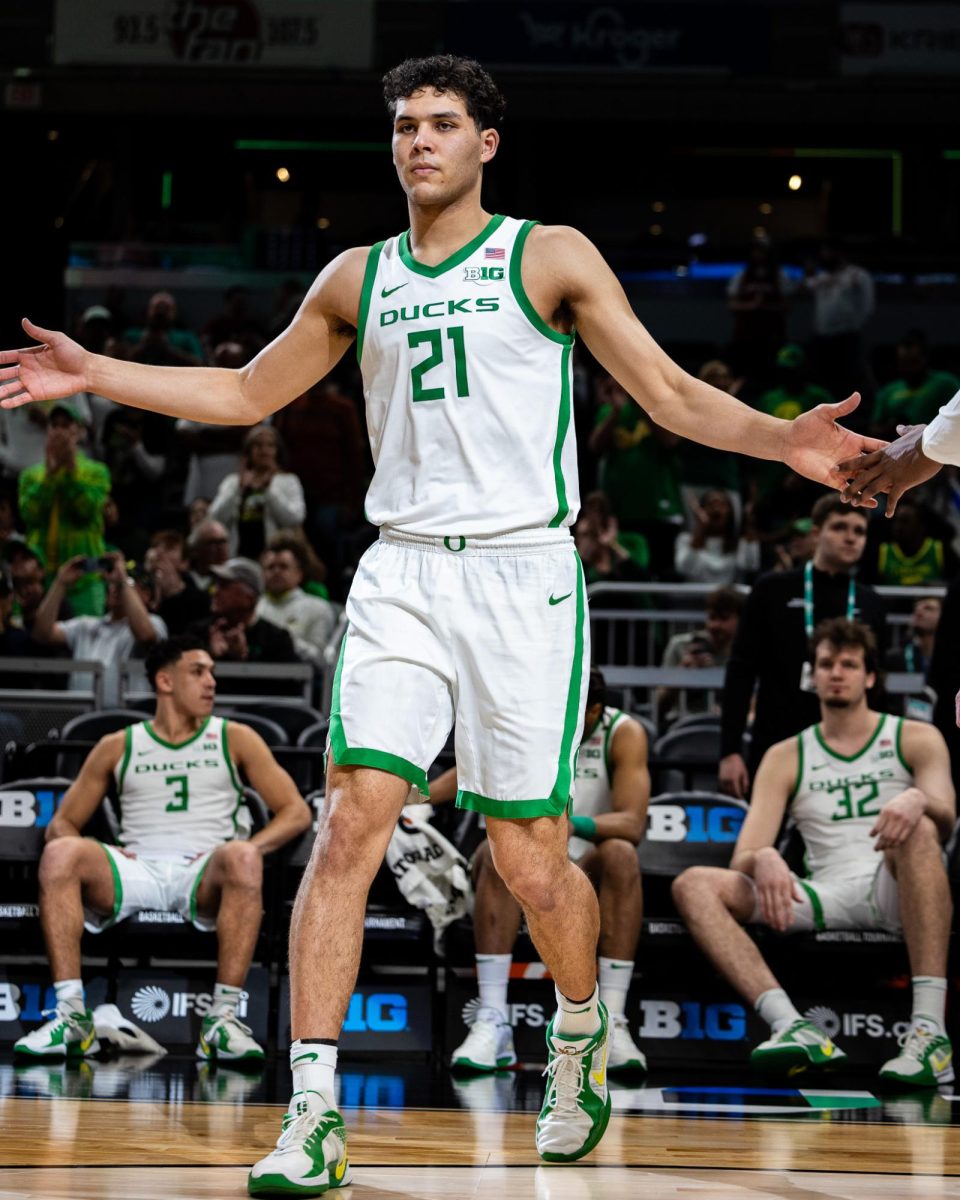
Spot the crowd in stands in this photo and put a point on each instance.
(119, 526)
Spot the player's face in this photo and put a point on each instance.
(841, 540)
(840, 675)
(191, 683)
(437, 150)
(592, 715)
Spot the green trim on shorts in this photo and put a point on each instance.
(815, 904)
(117, 883)
(366, 293)
(358, 756)
(559, 799)
(196, 883)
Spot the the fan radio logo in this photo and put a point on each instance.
(151, 1003)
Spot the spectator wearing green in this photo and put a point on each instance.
(61, 506)
(912, 556)
(916, 396)
(639, 472)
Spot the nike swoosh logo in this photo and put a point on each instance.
(341, 1168)
(827, 1048)
(558, 599)
(304, 1058)
(385, 292)
(619, 966)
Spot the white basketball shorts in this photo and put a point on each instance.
(154, 884)
(861, 901)
(488, 633)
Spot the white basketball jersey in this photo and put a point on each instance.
(468, 392)
(837, 799)
(180, 799)
(593, 790)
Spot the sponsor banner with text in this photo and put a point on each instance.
(215, 33)
(900, 39)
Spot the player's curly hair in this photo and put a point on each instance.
(843, 634)
(448, 73)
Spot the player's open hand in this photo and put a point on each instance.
(894, 469)
(55, 368)
(815, 444)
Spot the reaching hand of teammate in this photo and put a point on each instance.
(49, 371)
(734, 776)
(899, 818)
(815, 443)
(894, 469)
(776, 889)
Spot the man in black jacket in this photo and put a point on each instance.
(234, 633)
(943, 674)
(771, 649)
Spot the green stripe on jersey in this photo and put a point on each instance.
(369, 276)
(563, 424)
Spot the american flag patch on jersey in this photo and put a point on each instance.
(494, 252)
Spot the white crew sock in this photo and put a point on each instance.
(615, 976)
(929, 1001)
(776, 1008)
(574, 1019)
(493, 975)
(313, 1065)
(69, 993)
(225, 999)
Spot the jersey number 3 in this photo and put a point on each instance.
(434, 339)
(181, 793)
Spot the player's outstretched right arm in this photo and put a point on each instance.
(312, 345)
(86, 793)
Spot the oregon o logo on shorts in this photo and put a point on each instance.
(448, 542)
(150, 1004)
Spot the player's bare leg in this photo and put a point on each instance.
(496, 914)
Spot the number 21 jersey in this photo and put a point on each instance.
(468, 392)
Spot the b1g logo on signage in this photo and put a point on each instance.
(26, 810)
(851, 1025)
(380, 1012)
(531, 1015)
(152, 1003)
(693, 823)
(691, 1020)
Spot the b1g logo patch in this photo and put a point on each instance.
(482, 275)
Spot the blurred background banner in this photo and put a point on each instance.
(900, 39)
(708, 38)
(215, 33)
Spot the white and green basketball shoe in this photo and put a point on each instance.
(67, 1034)
(488, 1046)
(225, 1038)
(625, 1055)
(925, 1059)
(311, 1154)
(576, 1108)
(797, 1048)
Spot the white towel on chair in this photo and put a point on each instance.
(430, 871)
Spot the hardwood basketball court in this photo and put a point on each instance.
(140, 1130)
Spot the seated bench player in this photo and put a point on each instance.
(872, 796)
(177, 779)
(607, 823)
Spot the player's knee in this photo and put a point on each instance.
(618, 861)
(923, 838)
(692, 888)
(534, 888)
(242, 864)
(61, 861)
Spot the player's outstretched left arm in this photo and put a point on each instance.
(291, 814)
(576, 273)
